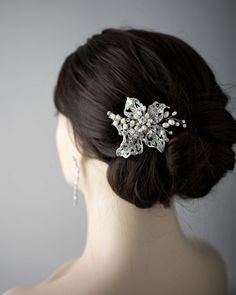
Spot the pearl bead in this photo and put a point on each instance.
(147, 115)
(177, 123)
(122, 120)
(174, 113)
(171, 122)
(118, 117)
(132, 123)
(165, 125)
(166, 114)
(125, 126)
(144, 127)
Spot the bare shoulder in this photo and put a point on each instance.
(60, 271)
(207, 250)
(20, 290)
(213, 263)
(34, 289)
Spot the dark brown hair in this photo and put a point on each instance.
(119, 62)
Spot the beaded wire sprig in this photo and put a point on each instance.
(140, 126)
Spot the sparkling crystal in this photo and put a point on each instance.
(142, 120)
(112, 116)
(115, 122)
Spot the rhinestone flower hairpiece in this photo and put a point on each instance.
(141, 126)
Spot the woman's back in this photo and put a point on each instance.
(196, 269)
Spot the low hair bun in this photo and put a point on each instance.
(142, 179)
(196, 163)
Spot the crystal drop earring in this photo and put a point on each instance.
(76, 178)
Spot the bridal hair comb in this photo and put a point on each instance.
(141, 126)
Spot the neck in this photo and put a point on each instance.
(119, 232)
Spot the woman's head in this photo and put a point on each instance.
(116, 63)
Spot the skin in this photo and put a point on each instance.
(128, 250)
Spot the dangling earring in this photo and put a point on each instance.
(76, 178)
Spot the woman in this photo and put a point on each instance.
(135, 244)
